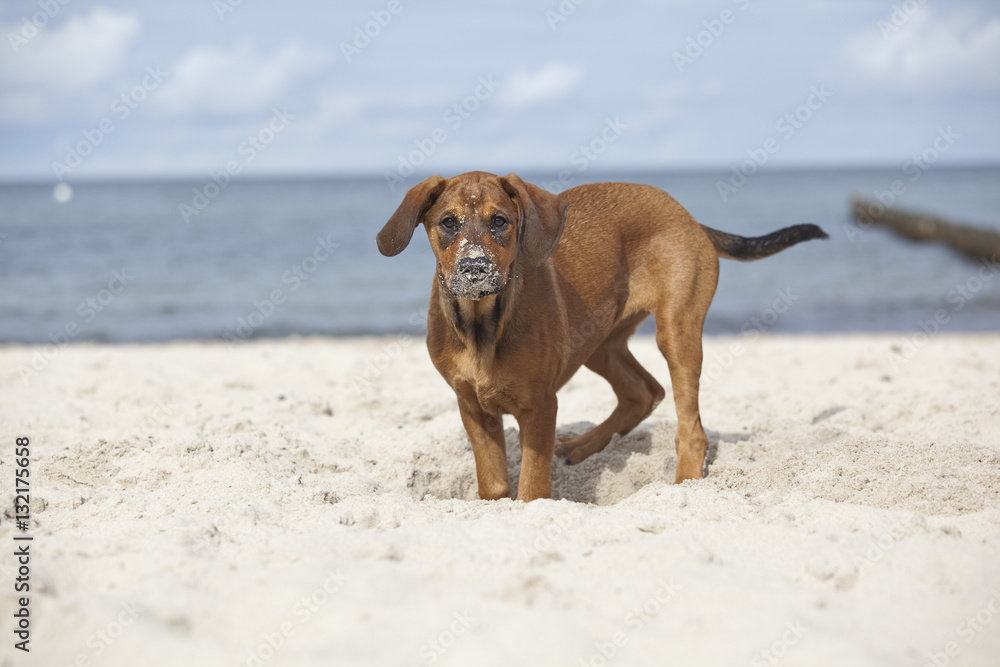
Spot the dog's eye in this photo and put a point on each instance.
(449, 223)
(498, 222)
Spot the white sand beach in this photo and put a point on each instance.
(312, 501)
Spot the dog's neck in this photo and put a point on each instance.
(481, 323)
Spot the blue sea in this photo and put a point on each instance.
(158, 261)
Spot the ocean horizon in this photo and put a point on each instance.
(149, 260)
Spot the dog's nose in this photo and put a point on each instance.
(474, 267)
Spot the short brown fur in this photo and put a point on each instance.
(530, 286)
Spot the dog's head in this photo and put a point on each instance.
(479, 225)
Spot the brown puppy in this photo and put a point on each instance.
(530, 286)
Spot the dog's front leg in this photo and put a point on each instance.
(538, 443)
(488, 446)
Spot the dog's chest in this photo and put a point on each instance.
(471, 376)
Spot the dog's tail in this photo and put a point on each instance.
(745, 249)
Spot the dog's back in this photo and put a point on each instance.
(636, 214)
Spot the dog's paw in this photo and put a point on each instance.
(571, 451)
(564, 448)
(578, 449)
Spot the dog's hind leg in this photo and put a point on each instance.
(678, 335)
(638, 394)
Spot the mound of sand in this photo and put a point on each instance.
(313, 502)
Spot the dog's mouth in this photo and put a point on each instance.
(473, 281)
(462, 286)
(474, 273)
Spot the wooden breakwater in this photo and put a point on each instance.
(976, 243)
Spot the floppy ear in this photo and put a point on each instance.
(397, 232)
(543, 216)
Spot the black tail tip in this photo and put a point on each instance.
(810, 231)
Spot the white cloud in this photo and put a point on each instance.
(552, 82)
(236, 81)
(54, 64)
(660, 104)
(928, 53)
(402, 111)
(334, 109)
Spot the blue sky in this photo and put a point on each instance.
(148, 89)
